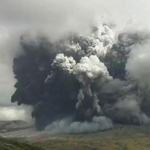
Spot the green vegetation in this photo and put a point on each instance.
(139, 143)
(119, 138)
(9, 144)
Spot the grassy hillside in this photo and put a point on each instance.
(7, 144)
(136, 143)
(79, 143)
(120, 138)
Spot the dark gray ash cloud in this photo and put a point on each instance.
(102, 61)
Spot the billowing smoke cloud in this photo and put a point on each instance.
(67, 126)
(87, 70)
(138, 67)
(87, 61)
(65, 79)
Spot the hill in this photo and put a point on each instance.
(7, 126)
(121, 137)
(7, 144)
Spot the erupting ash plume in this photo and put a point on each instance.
(85, 78)
(80, 72)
